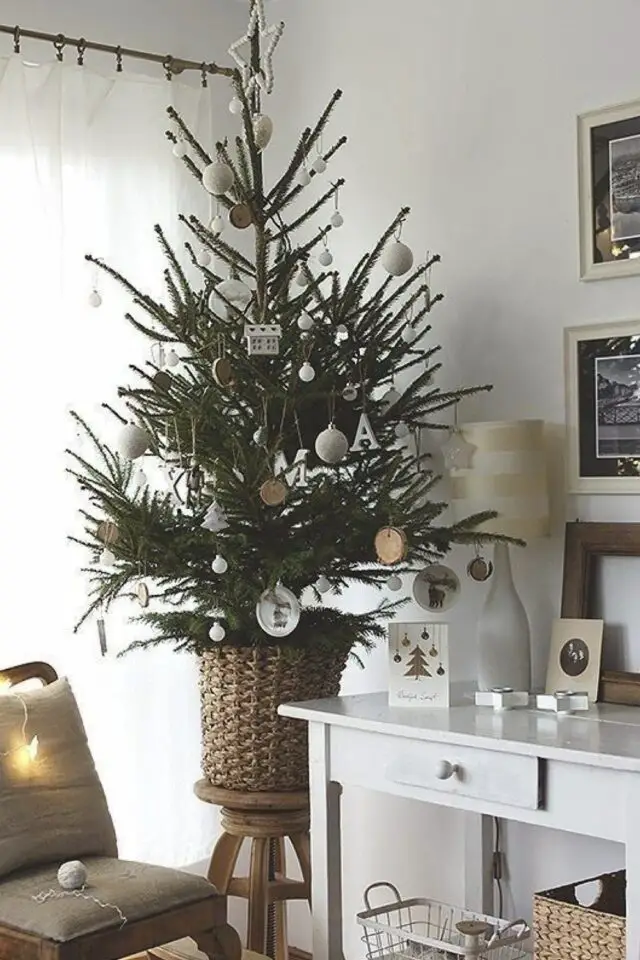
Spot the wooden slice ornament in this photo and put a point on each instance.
(222, 372)
(162, 380)
(142, 594)
(107, 532)
(273, 492)
(391, 545)
(241, 216)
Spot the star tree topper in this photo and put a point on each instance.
(270, 37)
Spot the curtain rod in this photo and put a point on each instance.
(172, 65)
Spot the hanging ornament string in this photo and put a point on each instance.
(298, 430)
(52, 894)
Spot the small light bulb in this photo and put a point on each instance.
(32, 749)
(5, 686)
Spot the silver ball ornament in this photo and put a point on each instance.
(306, 372)
(172, 358)
(133, 441)
(235, 291)
(95, 300)
(325, 258)
(322, 584)
(397, 259)
(217, 633)
(217, 178)
(72, 875)
(401, 430)
(305, 321)
(350, 393)
(394, 582)
(302, 278)
(331, 445)
(337, 220)
(180, 149)
(408, 334)
(219, 564)
(262, 131)
(235, 106)
(304, 177)
(320, 165)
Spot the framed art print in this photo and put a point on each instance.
(602, 373)
(609, 187)
(418, 665)
(575, 656)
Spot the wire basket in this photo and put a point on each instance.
(420, 929)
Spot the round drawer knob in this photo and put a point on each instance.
(444, 770)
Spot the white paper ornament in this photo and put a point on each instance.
(262, 131)
(342, 333)
(337, 220)
(278, 611)
(107, 558)
(217, 178)
(325, 258)
(204, 258)
(217, 632)
(72, 875)
(95, 300)
(322, 584)
(331, 445)
(296, 473)
(235, 106)
(215, 519)
(457, 452)
(218, 224)
(306, 372)
(305, 321)
(365, 438)
(179, 149)
(304, 177)
(235, 291)
(133, 441)
(394, 582)
(320, 165)
(172, 358)
(397, 259)
(302, 278)
(219, 564)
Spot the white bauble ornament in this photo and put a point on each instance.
(217, 633)
(302, 278)
(325, 258)
(180, 149)
(218, 224)
(394, 582)
(133, 441)
(305, 321)
(95, 300)
(107, 558)
(262, 131)
(350, 393)
(342, 331)
(322, 584)
(235, 291)
(215, 519)
(219, 564)
(306, 372)
(391, 396)
(337, 220)
(217, 178)
(331, 445)
(304, 177)
(397, 259)
(260, 436)
(235, 106)
(278, 611)
(72, 875)
(172, 358)
(408, 334)
(204, 258)
(320, 165)
(401, 430)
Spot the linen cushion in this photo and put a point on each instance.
(52, 808)
(137, 889)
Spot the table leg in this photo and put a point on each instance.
(633, 871)
(326, 885)
(478, 859)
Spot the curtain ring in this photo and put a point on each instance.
(203, 75)
(16, 39)
(82, 46)
(59, 44)
(118, 59)
(167, 63)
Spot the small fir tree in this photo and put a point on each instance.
(417, 664)
(266, 361)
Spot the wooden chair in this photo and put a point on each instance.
(203, 918)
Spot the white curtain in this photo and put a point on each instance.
(85, 167)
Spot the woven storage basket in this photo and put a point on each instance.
(565, 930)
(245, 744)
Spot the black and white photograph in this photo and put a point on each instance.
(575, 655)
(618, 406)
(624, 176)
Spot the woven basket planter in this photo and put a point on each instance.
(245, 744)
(565, 930)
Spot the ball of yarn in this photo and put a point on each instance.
(72, 875)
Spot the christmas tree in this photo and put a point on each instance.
(417, 664)
(292, 459)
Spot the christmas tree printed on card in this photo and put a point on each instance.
(418, 665)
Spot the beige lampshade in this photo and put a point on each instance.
(508, 474)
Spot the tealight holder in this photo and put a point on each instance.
(502, 698)
(563, 701)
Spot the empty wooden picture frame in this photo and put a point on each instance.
(585, 545)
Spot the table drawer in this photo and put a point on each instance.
(379, 761)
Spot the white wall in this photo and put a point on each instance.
(466, 111)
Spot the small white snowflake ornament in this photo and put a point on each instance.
(263, 340)
(215, 519)
(457, 453)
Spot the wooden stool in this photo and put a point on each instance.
(265, 819)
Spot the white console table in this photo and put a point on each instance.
(579, 773)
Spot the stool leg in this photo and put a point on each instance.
(258, 895)
(223, 861)
(300, 843)
(279, 907)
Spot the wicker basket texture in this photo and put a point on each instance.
(245, 744)
(565, 930)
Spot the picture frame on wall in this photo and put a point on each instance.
(609, 188)
(602, 381)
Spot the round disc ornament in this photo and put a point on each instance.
(142, 594)
(217, 178)
(479, 569)
(262, 130)
(273, 492)
(391, 545)
(222, 372)
(133, 441)
(436, 588)
(397, 259)
(331, 445)
(162, 380)
(241, 216)
(107, 532)
(278, 611)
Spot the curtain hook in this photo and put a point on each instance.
(59, 44)
(118, 59)
(16, 39)
(203, 75)
(82, 46)
(167, 63)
